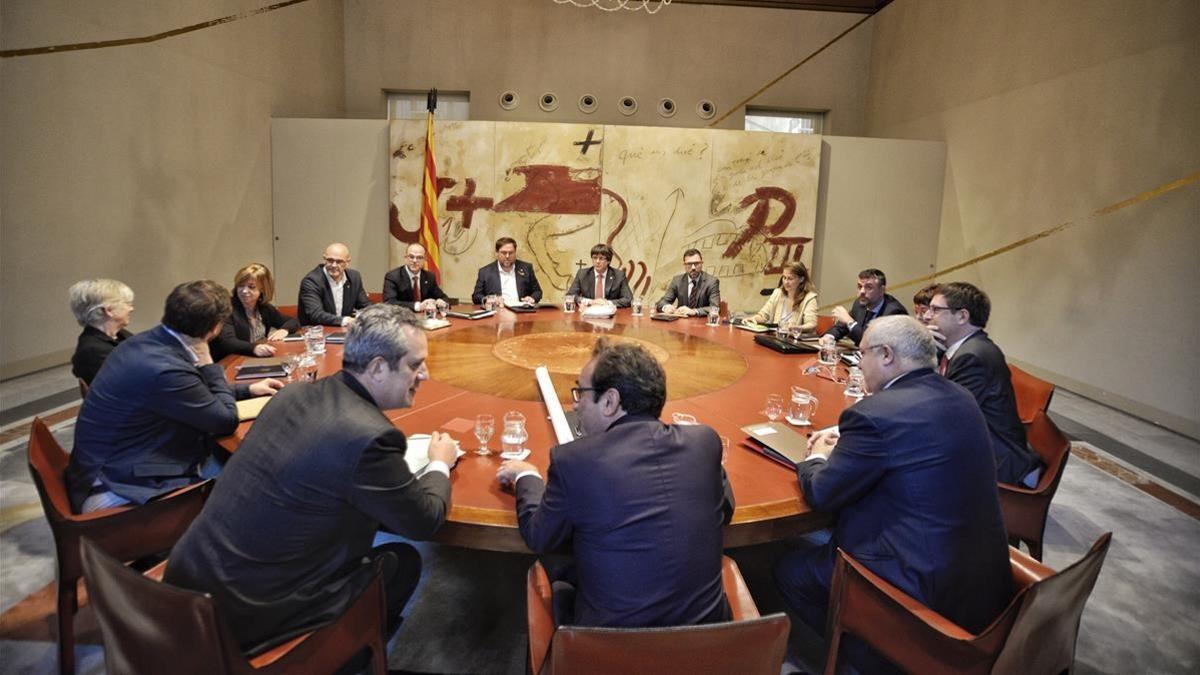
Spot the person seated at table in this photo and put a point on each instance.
(693, 293)
(873, 302)
(511, 279)
(146, 425)
(793, 303)
(911, 484)
(103, 308)
(332, 292)
(958, 313)
(284, 543)
(254, 322)
(601, 283)
(411, 286)
(642, 555)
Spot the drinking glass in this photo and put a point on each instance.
(569, 304)
(724, 449)
(289, 363)
(797, 333)
(489, 303)
(774, 407)
(306, 369)
(484, 426)
(637, 306)
(513, 438)
(804, 404)
(314, 340)
(430, 312)
(855, 383)
(829, 351)
(714, 317)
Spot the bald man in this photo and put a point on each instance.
(332, 292)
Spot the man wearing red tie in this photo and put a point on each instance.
(411, 286)
(601, 282)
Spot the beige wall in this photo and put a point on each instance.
(1050, 111)
(147, 163)
(686, 52)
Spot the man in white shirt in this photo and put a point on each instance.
(509, 278)
(332, 292)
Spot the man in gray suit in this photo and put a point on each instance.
(693, 293)
(284, 544)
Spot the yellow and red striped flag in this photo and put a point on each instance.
(429, 206)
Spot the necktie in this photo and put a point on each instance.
(599, 293)
(942, 364)
(694, 295)
(416, 284)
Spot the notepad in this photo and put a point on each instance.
(417, 454)
(257, 369)
(249, 408)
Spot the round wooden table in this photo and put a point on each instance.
(718, 374)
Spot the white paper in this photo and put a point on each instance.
(558, 418)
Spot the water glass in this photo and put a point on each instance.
(714, 317)
(430, 312)
(569, 304)
(637, 306)
(513, 438)
(314, 340)
(306, 369)
(289, 363)
(490, 302)
(856, 383)
(829, 352)
(797, 333)
(774, 407)
(804, 404)
(485, 425)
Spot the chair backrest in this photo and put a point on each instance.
(737, 647)
(824, 323)
(1033, 394)
(48, 465)
(288, 310)
(376, 298)
(1051, 446)
(1043, 637)
(150, 627)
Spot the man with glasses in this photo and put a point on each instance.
(959, 312)
(411, 286)
(641, 503)
(509, 278)
(332, 292)
(911, 482)
(873, 302)
(693, 293)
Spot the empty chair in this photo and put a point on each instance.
(748, 645)
(151, 627)
(1033, 394)
(126, 532)
(1035, 634)
(1025, 510)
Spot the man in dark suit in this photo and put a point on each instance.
(284, 541)
(914, 496)
(148, 421)
(640, 502)
(693, 293)
(509, 278)
(601, 281)
(411, 286)
(959, 312)
(873, 302)
(332, 292)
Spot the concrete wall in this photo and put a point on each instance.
(1051, 111)
(685, 52)
(147, 163)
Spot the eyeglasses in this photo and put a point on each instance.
(575, 391)
(415, 257)
(934, 309)
(698, 263)
(337, 261)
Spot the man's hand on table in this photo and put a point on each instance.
(266, 387)
(821, 444)
(442, 449)
(509, 470)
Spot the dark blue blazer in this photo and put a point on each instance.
(979, 366)
(642, 505)
(145, 424)
(397, 287)
(616, 288)
(913, 485)
(316, 306)
(891, 306)
(487, 282)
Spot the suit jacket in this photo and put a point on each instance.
(281, 541)
(642, 505)
(397, 287)
(487, 282)
(91, 349)
(145, 424)
(316, 298)
(891, 306)
(709, 294)
(616, 288)
(777, 310)
(235, 333)
(916, 498)
(979, 366)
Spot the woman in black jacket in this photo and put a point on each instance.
(254, 322)
(102, 307)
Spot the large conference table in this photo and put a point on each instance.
(716, 373)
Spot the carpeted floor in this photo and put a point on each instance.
(468, 613)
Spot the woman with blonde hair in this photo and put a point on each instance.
(102, 307)
(793, 303)
(254, 322)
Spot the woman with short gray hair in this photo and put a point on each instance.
(102, 307)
